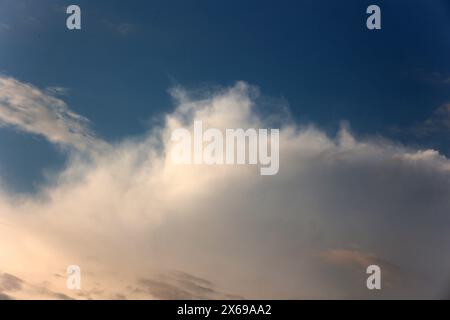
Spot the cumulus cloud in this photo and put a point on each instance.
(30, 109)
(129, 216)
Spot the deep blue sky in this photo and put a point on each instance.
(317, 55)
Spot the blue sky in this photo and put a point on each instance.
(316, 55)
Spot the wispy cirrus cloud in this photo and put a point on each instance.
(30, 109)
(57, 91)
(5, 27)
(439, 122)
(120, 28)
(434, 78)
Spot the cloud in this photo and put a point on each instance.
(9, 282)
(11, 285)
(129, 215)
(350, 257)
(180, 285)
(439, 122)
(125, 28)
(434, 78)
(121, 28)
(32, 110)
(5, 297)
(4, 27)
(174, 286)
(355, 263)
(57, 91)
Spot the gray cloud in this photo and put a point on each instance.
(5, 297)
(180, 285)
(165, 291)
(9, 282)
(11, 286)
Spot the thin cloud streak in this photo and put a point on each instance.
(32, 110)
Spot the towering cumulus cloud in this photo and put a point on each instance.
(140, 226)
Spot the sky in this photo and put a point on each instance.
(85, 122)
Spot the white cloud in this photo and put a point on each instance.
(131, 214)
(29, 109)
